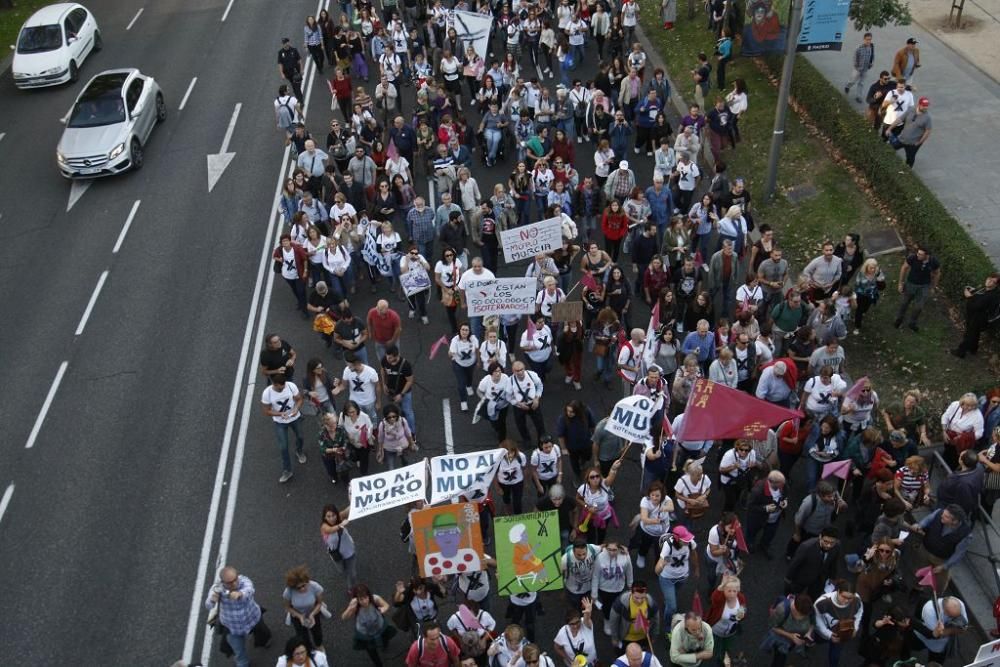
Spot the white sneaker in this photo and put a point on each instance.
(301, 456)
(464, 406)
(579, 140)
(285, 476)
(568, 379)
(425, 320)
(640, 561)
(637, 151)
(412, 314)
(607, 628)
(469, 391)
(649, 153)
(577, 386)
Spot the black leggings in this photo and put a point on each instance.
(613, 248)
(512, 495)
(580, 125)
(578, 460)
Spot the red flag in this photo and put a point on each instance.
(880, 459)
(531, 329)
(696, 605)
(836, 469)
(716, 412)
(443, 340)
(698, 260)
(620, 336)
(587, 281)
(363, 439)
(741, 542)
(667, 430)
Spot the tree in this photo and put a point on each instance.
(878, 13)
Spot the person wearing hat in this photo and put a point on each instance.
(450, 556)
(678, 557)
(906, 61)
(620, 183)
(916, 124)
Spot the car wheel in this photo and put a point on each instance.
(74, 71)
(135, 155)
(98, 42)
(161, 109)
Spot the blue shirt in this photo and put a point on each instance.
(420, 225)
(705, 345)
(238, 616)
(660, 205)
(772, 387)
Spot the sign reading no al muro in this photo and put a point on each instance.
(530, 240)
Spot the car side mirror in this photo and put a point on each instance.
(71, 39)
(137, 111)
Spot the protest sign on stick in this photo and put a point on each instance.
(529, 240)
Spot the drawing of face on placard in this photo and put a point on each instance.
(448, 539)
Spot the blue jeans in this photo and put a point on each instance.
(493, 139)
(577, 51)
(239, 645)
(361, 353)
(339, 284)
(406, 407)
(392, 460)
(299, 290)
(669, 589)
(463, 378)
(281, 433)
(813, 470)
(476, 324)
(426, 249)
(542, 203)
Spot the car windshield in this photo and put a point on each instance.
(97, 111)
(38, 39)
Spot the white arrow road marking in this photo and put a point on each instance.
(135, 18)
(76, 190)
(218, 162)
(184, 101)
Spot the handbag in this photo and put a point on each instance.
(448, 298)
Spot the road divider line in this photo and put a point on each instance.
(225, 14)
(273, 232)
(187, 94)
(449, 439)
(5, 501)
(2, 135)
(135, 18)
(46, 405)
(90, 304)
(128, 223)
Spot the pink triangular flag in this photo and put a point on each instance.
(926, 577)
(363, 438)
(443, 340)
(836, 469)
(641, 622)
(392, 152)
(587, 281)
(468, 619)
(696, 605)
(741, 542)
(531, 329)
(667, 430)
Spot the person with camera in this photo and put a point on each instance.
(982, 308)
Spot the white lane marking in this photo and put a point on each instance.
(128, 223)
(90, 304)
(449, 440)
(46, 405)
(225, 14)
(2, 135)
(135, 18)
(187, 94)
(217, 162)
(76, 189)
(5, 501)
(198, 595)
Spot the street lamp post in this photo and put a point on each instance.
(791, 43)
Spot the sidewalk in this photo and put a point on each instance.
(960, 160)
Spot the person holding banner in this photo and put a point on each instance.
(416, 263)
(493, 390)
(339, 543)
(463, 352)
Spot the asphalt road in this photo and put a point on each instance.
(153, 463)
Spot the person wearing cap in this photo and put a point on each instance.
(620, 183)
(635, 616)
(916, 129)
(906, 61)
(678, 559)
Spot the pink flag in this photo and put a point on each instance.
(468, 619)
(925, 577)
(667, 430)
(698, 260)
(531, 329)
(641, 622)
(696, 605)
(363, 438)
(587, 281)
(745, 304)
(741, 542)
(392, 152)
(443, 340)
(329, 84)
(839, 469)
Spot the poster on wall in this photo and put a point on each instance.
(448, 539)
(823, 25)
(528, 551)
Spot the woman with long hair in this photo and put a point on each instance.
(298, 654)
(372, 631)
(520, 184)
(338, 542)
(447, 272)
(614, 225)
(463, 352)
(619, 295)
(868, 288)
(394, 438)
(593, 499)
(312, 35)
(604, 333)
(303, 600)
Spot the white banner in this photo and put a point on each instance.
(502, 296)
(385, 490)
(472, 28)
(631, 419)
(415, 280)
(453, 475)
(529, 240)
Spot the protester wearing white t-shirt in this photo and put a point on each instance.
(546, 465)
(281, 402)
(537, 346)
(463, 352)
(492, 349)
(678, 558)
(510, 477)
(363, 386)
(577, 637)
(476, 272)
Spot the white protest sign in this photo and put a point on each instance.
(464, 474)
(472, 28)
(502, 296)
(415, 280)
(988, 654)
(385, 490)
(530, 240)
(631, 419)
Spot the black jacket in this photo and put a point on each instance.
(808, 569)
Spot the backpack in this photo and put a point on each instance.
(786, 604)
(286, 112)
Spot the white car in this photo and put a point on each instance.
(110, 123)
(52, 45)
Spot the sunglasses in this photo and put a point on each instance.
(593, 477)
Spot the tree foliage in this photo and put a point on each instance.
(866, 14)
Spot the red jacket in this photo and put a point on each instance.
(301, 260)
(717, 603)
(342, 88)
(614, 225)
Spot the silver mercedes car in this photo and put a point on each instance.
(110, 124)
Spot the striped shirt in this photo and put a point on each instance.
(910, 483)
